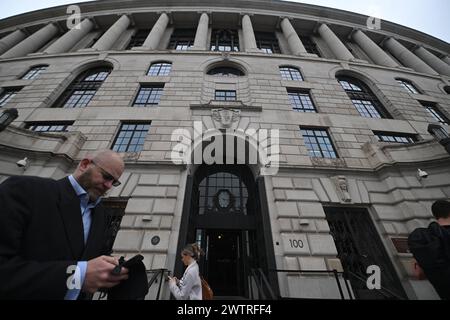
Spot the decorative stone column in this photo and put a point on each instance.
(249, 34)
(113, 33)
(295, 44)
(334, 43)
(373, 50)
(11, 40)
(407, 57)
(201, 36)
(70, 38)
(33, 42)
(434, 62)
(154, 37)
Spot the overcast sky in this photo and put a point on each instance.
(429, 16)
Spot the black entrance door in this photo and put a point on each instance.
(223, 262)
(359, 246)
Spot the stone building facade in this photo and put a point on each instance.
(352, 105)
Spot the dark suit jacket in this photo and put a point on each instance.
(41, 235)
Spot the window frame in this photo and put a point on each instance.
(81, 84)
(362, 97)
(290, 69)
(435, 112)
(148, 86)
(216, 40)
(64, 124)
(312, 151)
(412, 138)
(164, 66)
(35, 70)
(11, 92)
(131, 137)
(408, 86)
(298, 93)
(226, 92)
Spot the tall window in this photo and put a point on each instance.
(48, 126)
(182, 39)
(291, 73)
(435, 112)
(225, 95)
(301, 101)
(131, 137)
(34, 72)
(408, 86)
(225, 72)
(7, 95)
(225, 40)
(160, 69)
(318, 143)
(267, 42)
(84, 88)
(395, 137)
(363, 99)
(149, 95)
(138, 39)
(310, 45)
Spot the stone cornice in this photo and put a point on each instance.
(284, 8)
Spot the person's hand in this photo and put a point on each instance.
(99, 274)
(173, 279)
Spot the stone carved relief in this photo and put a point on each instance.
(341, 185)
(226, 117)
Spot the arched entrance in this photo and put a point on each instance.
(225, 211)
(225, 215)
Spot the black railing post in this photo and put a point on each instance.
(160, 283)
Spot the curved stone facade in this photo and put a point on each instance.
(351, 105)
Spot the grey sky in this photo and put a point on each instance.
(430, 16)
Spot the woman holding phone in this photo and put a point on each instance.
(189, 287)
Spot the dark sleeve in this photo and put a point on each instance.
(21, 278)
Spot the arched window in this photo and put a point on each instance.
(363, 98)
(160, 69)
(84, 88)
(408, 86)
(291, 73)
(34, 72)
(225, 71)
(223, 192)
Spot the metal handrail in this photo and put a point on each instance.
(384, 291)
(157, 272)
(261, 281)
(334, 272)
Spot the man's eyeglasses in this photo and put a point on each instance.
(106, 176)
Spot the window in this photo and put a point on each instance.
(291, 73)
(395, 137)
(225, 40)
(310, 45)
(131, 137)
(211, 187)
(160, 69)
(318, 143)
(149, 95)
(83, 89)
(182, 39)
(138, 39)
(447, 89)
(48, 126)
(435, 113)
(225, 95)
(408, 86)
(34, 72)
(267, 42)
(225, 72)
(301, 101)
(7, 95)
(363, 99)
